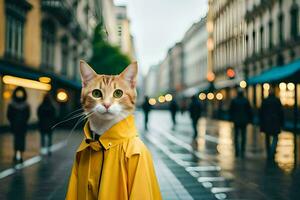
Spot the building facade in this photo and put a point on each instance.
(195, 58)
(176, 68)
(44, 38)
(273, 42)
(151, 80)
(125, 39)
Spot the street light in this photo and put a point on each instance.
(152, 101)
(210, 96)
(62, 96)
(219, 96)
(243, 84)
(202, 96)
(168, 97)
(161, 99)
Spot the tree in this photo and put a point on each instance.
(106, 59)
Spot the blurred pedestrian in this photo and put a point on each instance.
(271, 122)
(173, 109)
(18, 114)
(183, 106)
(195, 110)
(146, 108)
(241, 114)
(46, 115)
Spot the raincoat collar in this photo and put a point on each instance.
(123, 130)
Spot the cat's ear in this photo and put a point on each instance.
(130, 73)
(87, 73)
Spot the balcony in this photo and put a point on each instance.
(59, 9)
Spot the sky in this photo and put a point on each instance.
(158, 24)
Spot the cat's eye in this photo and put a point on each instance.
(97, 93)
(118, 93)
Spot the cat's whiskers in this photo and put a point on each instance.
(81, 119)
(72, 117)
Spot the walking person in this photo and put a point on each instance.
(146, 108)
(46, 115)
(173, 109)
(195, 110)
(18, 114)
(241, 114)
(271, 122)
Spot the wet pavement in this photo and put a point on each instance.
(211, 172)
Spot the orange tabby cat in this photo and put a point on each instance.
(111, 163)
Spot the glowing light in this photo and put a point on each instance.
(230, 72)
(210, 44)
(291, 86)
(266, 86)
(62, 96)
(44, 79)
(210, 76)
(219, 96)
(202, 96)
(27, 83)
(243, 84)
(210, 96)
(210, 26)
(282, 86)
(152, 101)
(6, 95)
(168, 97)
(161, 99)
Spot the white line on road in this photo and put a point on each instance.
(30, 161)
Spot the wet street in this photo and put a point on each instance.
(210, 172)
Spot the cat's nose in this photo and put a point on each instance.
(106, 106)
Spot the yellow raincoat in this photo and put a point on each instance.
(118, 166)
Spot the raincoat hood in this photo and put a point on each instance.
(118, 166)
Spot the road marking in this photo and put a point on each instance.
(203, 168)
(29, 162)
(210, 179)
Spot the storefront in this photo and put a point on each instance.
(286, 81)
(66, 93)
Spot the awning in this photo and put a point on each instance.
(32, 73)
(278, 73)
(195, 89)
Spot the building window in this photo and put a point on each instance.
(48, 44)
(280, 60)
(254, 42)
(261, 38)
(75, 63)
(64, 55)
(281, 28)
(14, 26)
(14, 37)
(294, 20)
(270, 34)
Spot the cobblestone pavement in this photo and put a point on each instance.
(210, 172)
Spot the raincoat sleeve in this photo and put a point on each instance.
(72, 188)
(142, 182)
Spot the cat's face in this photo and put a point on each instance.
(108, 96)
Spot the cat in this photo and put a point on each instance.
(107, 99)
(111, 161)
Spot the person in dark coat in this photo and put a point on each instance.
(195, 110)
(18, 114)
(46, 115)
(146, 108)
(241, 114)
(271, 121)
(173, 109)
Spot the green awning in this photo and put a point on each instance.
(289, 72)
